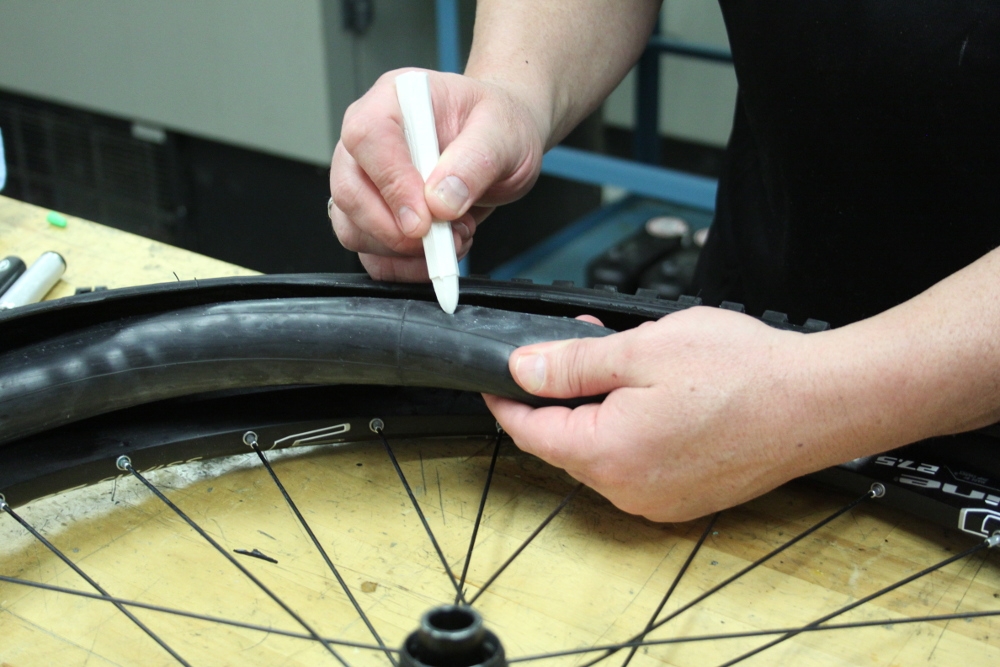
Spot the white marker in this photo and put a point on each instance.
(36, 282)
(414, 95)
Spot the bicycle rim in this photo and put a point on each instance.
(595, 577)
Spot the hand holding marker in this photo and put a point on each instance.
(414, 95)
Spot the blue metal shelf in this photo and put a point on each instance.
(635, 177)
(448, 37)
(565, 254)
(641, 177)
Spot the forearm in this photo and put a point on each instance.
(928, 367)
(562, 58)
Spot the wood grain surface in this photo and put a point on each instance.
(593, 576)
(98, 255)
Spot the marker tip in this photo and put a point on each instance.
(446, 291)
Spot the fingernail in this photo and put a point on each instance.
(530, 371)
(462, 229)
(408, 220)
(453, 192)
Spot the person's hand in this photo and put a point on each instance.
(704, 411)
(491, 154)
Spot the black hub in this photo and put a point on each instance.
(452, 636)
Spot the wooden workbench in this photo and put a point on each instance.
(99, 255)
(594, 575)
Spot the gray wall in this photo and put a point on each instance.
(276, 75)
(272, 75)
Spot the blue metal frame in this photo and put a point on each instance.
(643, 179)
(665, 45)
(448, 38)
(646, 131)
(524, 261)
(586, 167)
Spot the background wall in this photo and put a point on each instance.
(276, 76)
(210, 123)
(271, 75)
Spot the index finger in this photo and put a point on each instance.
(373, 134)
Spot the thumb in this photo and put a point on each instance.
(573, 368)
(486, 160)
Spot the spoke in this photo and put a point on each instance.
(541, 527)
(190, 614)
(124, 463)
(379, 428)
(990, 542)
(479, 513)
(875, 492)
(104, 594)
(250, 438)
(763, 559)
(757, 633)
(680, 573)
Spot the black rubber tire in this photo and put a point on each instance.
(100, 352)
(154, 359)
(266, 343)
(133, 354)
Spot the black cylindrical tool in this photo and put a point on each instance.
(11, 269)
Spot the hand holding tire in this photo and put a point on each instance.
(702, 412)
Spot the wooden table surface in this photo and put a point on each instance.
(99, 255)
(594, 575)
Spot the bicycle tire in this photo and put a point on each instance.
(107, 351)
(49, 450)
(953, 481)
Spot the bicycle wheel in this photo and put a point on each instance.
(592, 576)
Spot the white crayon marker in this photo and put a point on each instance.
(36, 282)
(414, 95)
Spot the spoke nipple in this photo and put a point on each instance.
(376, 425)
(993, 540)
(3, 503)
(124, 463)
(877, 490)
(249, 438)
(499, 427)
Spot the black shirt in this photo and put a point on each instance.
(864, 162)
